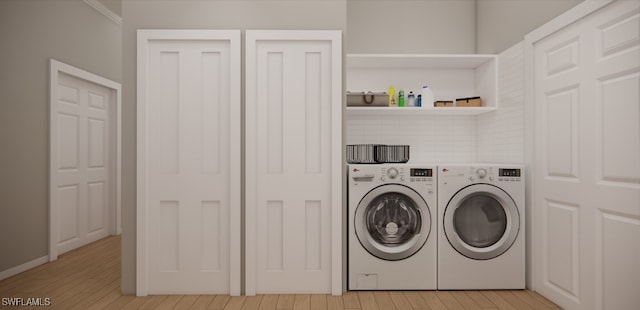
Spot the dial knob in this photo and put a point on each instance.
(481, 173)
(392, 173)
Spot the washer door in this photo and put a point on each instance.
(392, 222)
(481, 221)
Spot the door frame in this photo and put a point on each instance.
(144, 37)
(55, 69)
(533, 215)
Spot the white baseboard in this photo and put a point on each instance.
(24, 267)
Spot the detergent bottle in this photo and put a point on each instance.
(392, 96)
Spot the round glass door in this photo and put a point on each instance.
(481, 221)
(392, 222)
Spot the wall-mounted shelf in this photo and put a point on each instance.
(407, 111)
(449, 76)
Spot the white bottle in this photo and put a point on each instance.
(411, 100)
(427, 97)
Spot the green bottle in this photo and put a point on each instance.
(401, 98)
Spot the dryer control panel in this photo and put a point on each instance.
(489, 174)
(480, 173)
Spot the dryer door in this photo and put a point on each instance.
(392, 222)
(481, 221)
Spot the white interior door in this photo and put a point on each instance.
(188, 161)
(587, 161)
(293, 162)
(83, 159)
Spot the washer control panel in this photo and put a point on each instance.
(419, 178)
(509, 175)
(392, 174)
(481, 173)
(419, 172)
(399, 174)
(421, 175)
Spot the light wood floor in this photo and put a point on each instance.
(89, 278)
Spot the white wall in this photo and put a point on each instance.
(501, 133)
(503, 23)
(445, 26)
(410, 26)
(432, 139)
(32, 31)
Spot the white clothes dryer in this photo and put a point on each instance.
(392, 231)
(481, 236)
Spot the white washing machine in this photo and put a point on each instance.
(392, 231)
(481, 235)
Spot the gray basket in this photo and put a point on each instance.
(362, 154)
(377, 153)
(392, 153)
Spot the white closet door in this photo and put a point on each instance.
(188, 161)
(293, 161)
(587, 126)
(83, 149)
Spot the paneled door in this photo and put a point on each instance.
(293, 162)
(188, 217)
(83, 151)
(587, 161)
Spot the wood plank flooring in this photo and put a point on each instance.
(89, 278)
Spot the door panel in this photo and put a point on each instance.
(562, 271)
(587, 120)
(619, 168)
(97, 208)
(69, 202)
(619, 250)
(188, 117)
(98, 146)
(183, 180)
(68, 140)
(562, 133)
(292, 119)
